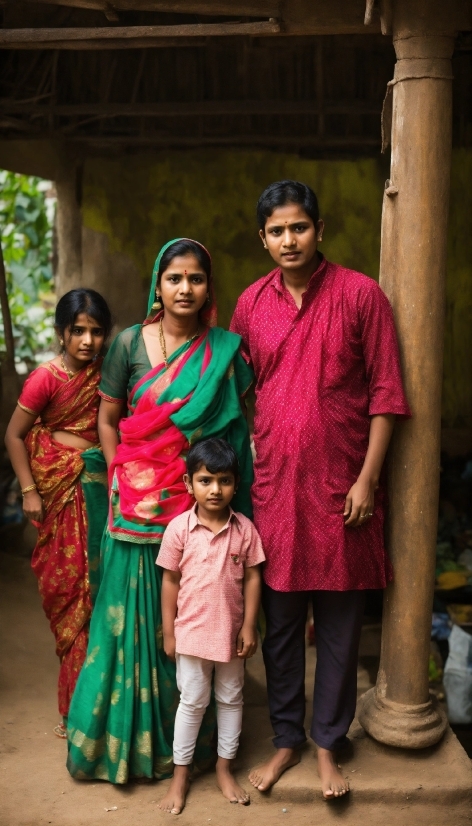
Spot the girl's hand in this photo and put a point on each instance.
(359, 504)
(246, 644)
(169, 647)
(33, 507)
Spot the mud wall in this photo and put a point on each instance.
(132, 206)
(129, 206)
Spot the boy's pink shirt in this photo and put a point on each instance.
(210, 605)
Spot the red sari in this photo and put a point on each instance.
(60, 556)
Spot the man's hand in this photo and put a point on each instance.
(246, 644)
(359, 504)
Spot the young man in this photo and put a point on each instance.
(321, 339)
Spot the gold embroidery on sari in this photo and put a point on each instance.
(113, 747)
(116, 619)
(143, 742)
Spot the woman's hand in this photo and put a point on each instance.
(246, 644)
(33, 506)
(169, 646)
(359, 504)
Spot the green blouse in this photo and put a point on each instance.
(125, 364)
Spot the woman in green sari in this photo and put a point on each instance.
(182, 379)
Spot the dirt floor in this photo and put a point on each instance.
(35, 788)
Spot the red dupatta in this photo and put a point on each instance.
(149, 464)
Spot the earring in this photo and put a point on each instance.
(61, 342)
(157, 303)
(208, 299)
(265, 245)
(320, 238)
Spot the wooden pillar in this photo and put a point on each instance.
(400, 711)
(69, 225)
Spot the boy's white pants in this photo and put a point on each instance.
(194, 683)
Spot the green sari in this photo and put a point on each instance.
(121, 718)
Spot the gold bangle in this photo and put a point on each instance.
(27, 489)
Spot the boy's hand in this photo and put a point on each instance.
(246, 643)
(359, 504)
(169, 647)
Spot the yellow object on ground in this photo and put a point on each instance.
(452, 579)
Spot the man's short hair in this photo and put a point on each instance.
(281, 193)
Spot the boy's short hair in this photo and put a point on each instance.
(216, 454)
(281, 193)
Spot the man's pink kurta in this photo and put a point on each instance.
(321, 372)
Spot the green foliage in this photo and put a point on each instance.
(26, 217)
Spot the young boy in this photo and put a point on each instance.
(322, 343)
(210, 599)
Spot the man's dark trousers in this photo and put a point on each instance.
(338, 620)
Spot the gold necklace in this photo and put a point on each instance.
(162, 340)
(65, 368)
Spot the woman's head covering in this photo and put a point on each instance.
(208, 313)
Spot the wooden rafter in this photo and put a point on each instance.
(287, 142)
(194, 108)
(126, 36)
(238, 8)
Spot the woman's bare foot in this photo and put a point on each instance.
(333, 784)
(174, 800)
(263, 777)
(228, 785)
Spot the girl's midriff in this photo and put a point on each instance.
(71, 440)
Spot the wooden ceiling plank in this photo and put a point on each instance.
(79, 38)
(289, 141)
(207, 108)
(239, 8)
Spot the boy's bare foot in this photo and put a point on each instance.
(174, 801)
(228, 785)
(333, 784)
(263, 777)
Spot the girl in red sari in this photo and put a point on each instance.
(54, 422)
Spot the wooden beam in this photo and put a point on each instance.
(290, 143)
(126, 36)
(299, 17)
(193, 108)
(239, 8)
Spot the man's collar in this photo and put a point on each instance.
(278, 281)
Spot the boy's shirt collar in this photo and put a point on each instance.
(194, 522)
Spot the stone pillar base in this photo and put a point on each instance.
(404, 726)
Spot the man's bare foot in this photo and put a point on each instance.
(174, 800)
(333, 784)
(263, 777)
(228, 785)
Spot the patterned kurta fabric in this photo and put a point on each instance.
(321, 372)
(60, 557)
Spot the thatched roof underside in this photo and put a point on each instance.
(320, 96)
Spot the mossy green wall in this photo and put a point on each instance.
(457, 387)
(140, 202)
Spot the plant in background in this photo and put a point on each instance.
(26, 226)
